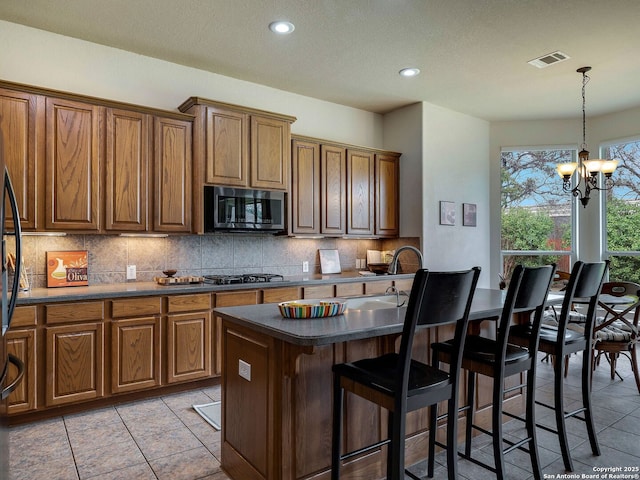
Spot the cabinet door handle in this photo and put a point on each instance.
(9, 194)
(13, 385)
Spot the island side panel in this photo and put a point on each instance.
(249, 381)
(311, 398)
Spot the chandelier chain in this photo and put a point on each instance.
(585, 80)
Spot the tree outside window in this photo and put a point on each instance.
(536, 213)
(623, 212)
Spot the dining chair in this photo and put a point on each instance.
(616, 333)
(401, 384)
(496, 358)
(584, 287)
(551, 317)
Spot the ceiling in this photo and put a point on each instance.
(473, 53)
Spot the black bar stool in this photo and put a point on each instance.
(584, 287)
(498, 359)
(400, 384)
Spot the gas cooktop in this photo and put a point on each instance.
(245, 278)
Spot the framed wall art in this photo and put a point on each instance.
(447, 213)
(329, 261)
(67, 269)
(469, 214)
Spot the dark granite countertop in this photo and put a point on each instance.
(140, 289)
(352, 325)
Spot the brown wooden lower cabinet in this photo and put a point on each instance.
(189, 346)
(136, 348)
(22, 344)
(78, 352)
(135, 354)
(74, 363)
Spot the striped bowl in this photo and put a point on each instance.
(312, 308)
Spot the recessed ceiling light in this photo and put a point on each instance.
(409, 72)
(282, 27)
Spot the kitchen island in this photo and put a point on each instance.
(277, 381)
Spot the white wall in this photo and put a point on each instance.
(455, 168)
(445, 157)
(40, 58)
(403, 133)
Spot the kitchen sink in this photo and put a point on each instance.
(373, 303)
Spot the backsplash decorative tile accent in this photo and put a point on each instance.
(199, 254)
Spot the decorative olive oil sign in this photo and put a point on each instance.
(68, 269)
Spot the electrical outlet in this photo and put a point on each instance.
(131, 272)
(305, 267)
(244, 370)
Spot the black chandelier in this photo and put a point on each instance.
(587, 169)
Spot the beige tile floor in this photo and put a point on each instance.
(165, 439)
(161, 438)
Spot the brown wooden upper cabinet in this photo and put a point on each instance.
(135, 141)
(387, 195)
(333, 185)
(126, 172)
(338, 189)
(305, 187)
(22, 125)
(318, 188)
(360, 192)
(72, 174)
(238, 146)
(173, 177)
(84, 164)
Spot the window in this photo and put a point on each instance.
(622, 214)
(537, 216)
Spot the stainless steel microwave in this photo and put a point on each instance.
(240, 209)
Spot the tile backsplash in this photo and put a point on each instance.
(200, 254)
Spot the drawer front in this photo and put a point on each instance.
(24, 317)
(404, 284)
(235, 299)
(274, 295)
(319, 291)
(74, 312)
(377, 287)
(135, 307)
(349, 289)
(189, 303)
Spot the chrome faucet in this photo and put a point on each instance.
(393, 266)
(394, 291)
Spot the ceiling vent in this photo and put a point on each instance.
(549, 59)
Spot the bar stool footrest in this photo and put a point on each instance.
(477, 462)
(355, 453)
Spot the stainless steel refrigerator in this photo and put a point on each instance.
(11, 367)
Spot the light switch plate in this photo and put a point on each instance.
(305, 267)
(244, 370)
